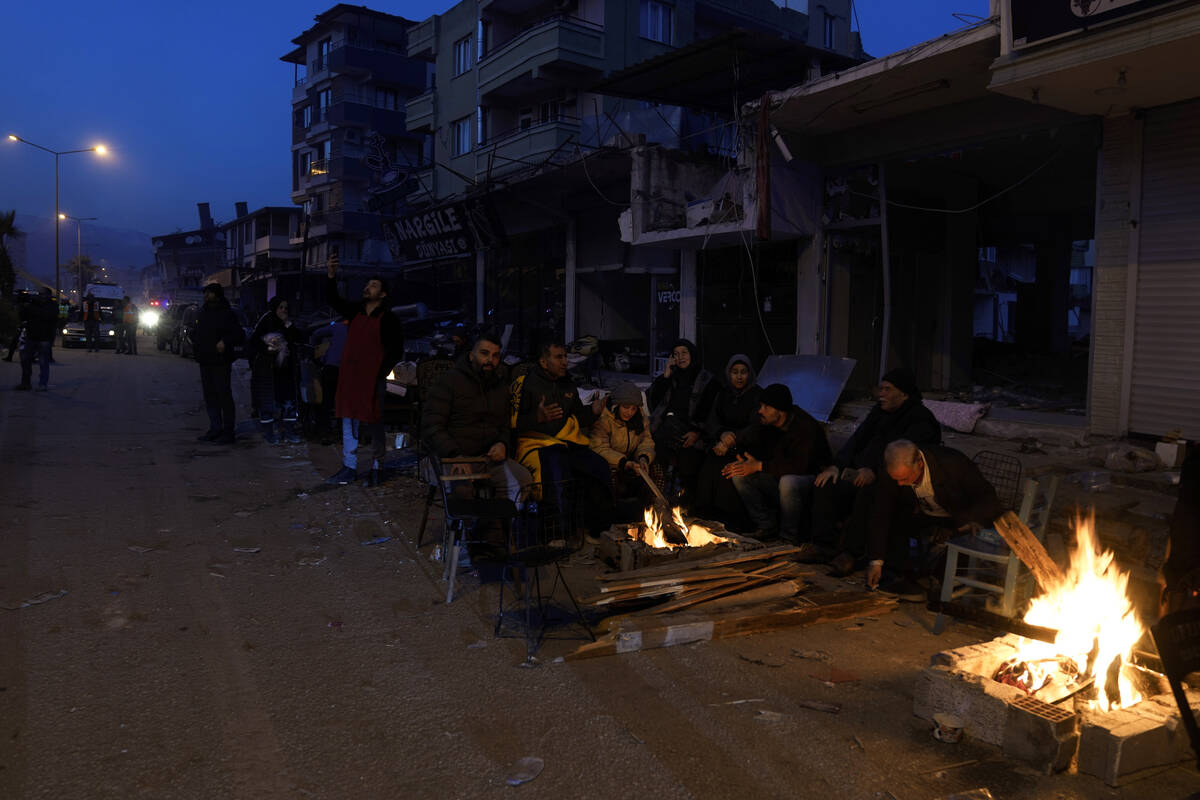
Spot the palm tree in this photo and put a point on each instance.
(8, 230)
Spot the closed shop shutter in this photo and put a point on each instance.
(1165, 387)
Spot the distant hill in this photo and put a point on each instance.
(120, 249)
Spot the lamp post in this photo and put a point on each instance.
(98, 149)
(79, 247)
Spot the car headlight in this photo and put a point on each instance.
(149, 319)
(112, 333)
(64, 331)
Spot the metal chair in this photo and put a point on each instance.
(992, 568)
(1003, 472)
(427, 373)
(468, 502)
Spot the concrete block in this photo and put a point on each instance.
(980, 702)
(1115, 744)
(1044, 736)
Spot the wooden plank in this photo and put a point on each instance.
(691, 576)
(715, 561)
(763, 594)
(692, 598)
(646, 633)
(665, 590)
(1031, 552)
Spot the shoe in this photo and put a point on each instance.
(225, 437)
(809, 553)
(41, 387)
(766, 534)
(22, 387)
(208, 436)
(9, 359)
(268, 432)
(374, 478)
(291, 435)
(905, 589)
(842, 565)
(342, 477)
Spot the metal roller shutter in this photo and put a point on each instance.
(1165, 387)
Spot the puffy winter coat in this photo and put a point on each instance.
(618, 442)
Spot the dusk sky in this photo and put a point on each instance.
(194, 103)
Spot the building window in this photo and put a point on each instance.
(483, 35)
(462, 55)
(307, 116)
(657, 21)
(387, 98)
(549, 112)
(324, 100)
(483, 119)
(322, 54)
(829, 38)
(525, 119)
(461, 131)
(305, 164)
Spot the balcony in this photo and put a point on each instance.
(422, 39)
(527, 149)
(419, 113)
(559, 50)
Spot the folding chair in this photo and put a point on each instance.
(1176, 636)
(427, 372)
(541, 539)
(468, 502)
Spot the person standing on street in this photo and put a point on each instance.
(214, 338)
(374, 343)
(91, 322)
(275, 371)
(40, 323)
(129, 325)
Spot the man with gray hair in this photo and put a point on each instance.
(928, 494)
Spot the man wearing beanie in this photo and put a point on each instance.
(844, 493)
(782, 453)
(216, 334)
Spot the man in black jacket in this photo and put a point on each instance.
(40, 321)
(466, 414)
(216, 333)
(928, 494)
(844, 493)
(784, 452)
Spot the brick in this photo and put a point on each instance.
(1044, 736)
(980, 702)
(1117, 743)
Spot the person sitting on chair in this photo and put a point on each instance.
(899, 414)
(679, 401)
(734, 408)
(622, 436)
(928, 494)
(551, 423)
(466, 414)
(783, 453)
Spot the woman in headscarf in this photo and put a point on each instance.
(734, 408)
(679, 401)
(274, 371)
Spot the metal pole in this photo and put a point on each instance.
(57, 288)
(79, 256)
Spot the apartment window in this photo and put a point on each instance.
(387, 98)
(324, 100)
(305, 164)
(483, 34)
(525, 119)
(323, 47)
(549, 112)
(657, 21)
(246, 233)
(462, 55)
(307, 116)
(461, 131)
(829, 38)
(483, 120)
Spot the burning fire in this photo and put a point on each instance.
(652, 535)
(1096, 624)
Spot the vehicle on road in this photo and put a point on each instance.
(167, 327)
(108, 297)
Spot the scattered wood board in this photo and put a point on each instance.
(646, 633)
(716, 561)
(1031, 552)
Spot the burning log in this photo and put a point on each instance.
(1031, 552)
(672, 531)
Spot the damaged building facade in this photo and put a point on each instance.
(540, 115)
(1004, 206)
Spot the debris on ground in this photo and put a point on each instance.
(974, 794)
(769, 716)
(141, 549)
(250, 550)
(819, 705)
(525, 770)
(812, 655)
(740, 702)
(376, 540)
(37, 600)
(761, 661)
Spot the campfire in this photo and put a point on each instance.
(651, 532)
(1097, 630)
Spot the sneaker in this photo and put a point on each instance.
(374, 478)
(22, 387)
(292, 437)
(41, 387)
(809, 553)
(905, 589)
(225, 437)
(842, 566)
(342, 477)
(208, 436)
(766, 534)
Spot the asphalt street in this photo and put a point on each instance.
(187, 620)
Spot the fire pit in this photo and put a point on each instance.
(642, 544)
(1083, 699)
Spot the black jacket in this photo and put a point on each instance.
(271, 323)
(911, 421)
(216, 322)
(732, 411)
(799, 448)
(40, 319)
(537, 385)
(391, 329)
(958, 487)
(465, 412)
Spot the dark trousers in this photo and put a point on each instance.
(119, 328)
(40, 351)
(841, 516)
(717, 498)
(92, 330)
(578, 465)
(917, 544)
(325, 411)
(218, 396)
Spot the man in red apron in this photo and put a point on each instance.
(374, 343)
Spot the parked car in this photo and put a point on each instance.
(74, 334)
(168, 326)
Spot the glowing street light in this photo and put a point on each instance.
(98, 149)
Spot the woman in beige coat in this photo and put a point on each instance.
(622, 436)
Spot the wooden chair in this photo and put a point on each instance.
(991, 567)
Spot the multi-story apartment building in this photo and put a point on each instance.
(185, 259)
(352, 154)
(261, 254)
(515, 217)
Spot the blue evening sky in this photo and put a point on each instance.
(194, 102)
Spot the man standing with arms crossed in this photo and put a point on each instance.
(374, 343)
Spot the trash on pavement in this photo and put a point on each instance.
(762, 661)
(525, 770)
(818, 705)
(141, 549)
(37, 599)
(769, 716)
(247, 549)
(739, 702)
(377, 540)
(812, 655)
(974, 794)
(947, 728)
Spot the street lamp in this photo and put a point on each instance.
(78, 246)
(98, 149)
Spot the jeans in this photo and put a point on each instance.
(218, 396)
(776, 502)
(377, 430)
(40, 350)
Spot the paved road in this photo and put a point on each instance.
(180, 665)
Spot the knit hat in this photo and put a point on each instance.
(215, 288)
(904, 380)
(626, 394)
(777, 396)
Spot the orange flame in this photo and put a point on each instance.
(653, 535)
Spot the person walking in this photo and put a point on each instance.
(216, 334)
(91, 322)
(374, 343)
(40, 324)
